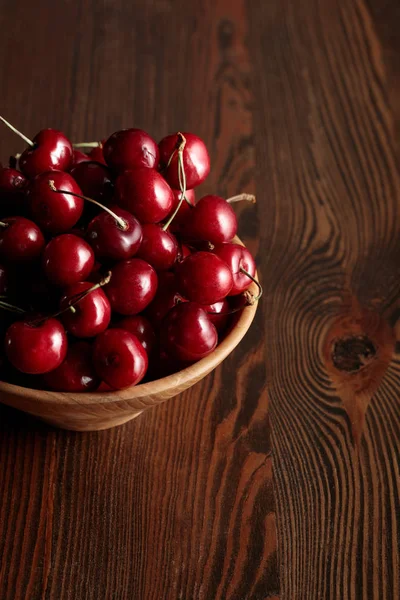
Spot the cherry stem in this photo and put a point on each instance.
(21, 135)
(251, 299)
(242, 198)
(87, 145)
(182, 179)
(11, 307)
(4, 225)
(122, 224)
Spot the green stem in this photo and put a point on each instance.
(21, 135)
(87, 145)
(249, 297)
(11, 307)
(242, 198)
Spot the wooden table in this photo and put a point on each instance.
(278, 475)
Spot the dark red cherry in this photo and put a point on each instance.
(97, 154)
(51, 151)
(238, 258)
(67, 259)
(145, 193)
(132, 287)
(76, 373)
(141, 328)
(12, 192)
(158, 247)
(95, 180)
(119, 358)
(183, 252)
(212, 219)
(20, 240)
(109, 240)
(36, 348)
(167, 297)
(187, 333)
(79, 157)
(204, 278)
(218, 313)
(92, 313)
(184, 208)
(4, 281)
(130, 149)
(196, 161)
(54, 212)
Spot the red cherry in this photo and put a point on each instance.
(20, 239)
(141, 328)
(237, 257)
(97, 154)
(54, 212)
(167, 297)
(212, 219)
(204, 278)
(184, 208)
(130, 149)
(196, 162)
(109, 240)
(158, 247)
(119, 358)
(145, 193)
(132, 287)
(79, 157)
(183, 252)
(94, 180)
(12, 191)
(4, 281)
(92, 313)
(67, 259)
(218, 313)
(36, 348)
(51, 151)
(76, 373)
(187, 332)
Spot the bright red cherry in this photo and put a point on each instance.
(92, 313)
(187, 332)
(67, 259)
(196, 162)
(141, 328)
(218, 313)
(4, 281)
(109, 240)
(184, 208)
(212, 219)
(97, 154)
(204, 278)
(36, 348)
(79, 157)
(145, 193)
(132, 287)
(130, 149)
(167, 297)
(76, 373)
(238, 259)
(12, 192)
(119, 358)
(53, 211)
(20, 239)
(158, 247)
(51, 151)
(95, 180)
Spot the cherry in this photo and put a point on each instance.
(20, 239)
(36, 347)
(183, 252)
(212, 219)
(51, 151)
(204, 278)
(78, 157)
(130, 149)
(110, 240)
(187, 332)
(119, 358)
(132, 287)
(97, 154)
(158, 247)
(95, 180)
(195, 159)
(55, 212)
(141, 328)
(4, 281)
(76, 373)
(167, 297)
(184, 208)
(12, 191)
(145, 193)
(67, 259)
(238, 259)
(218, 313)
(91, 314)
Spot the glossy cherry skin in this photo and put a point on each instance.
(141, 328)
(183, 252)
(12, 192)
(196, 161)
(158, 247)
(54, 212)
(67, 259)
(92, 314)
(21, 240)
(218, 313)
(130, 149)
(167, 297)
(212, 219)
(132, 287)
(79, 157)
(237, 257)
(109, 240)
(36, 348)
(204, 278)
(95, 180)
(119, 358)
(52, 151)
(76, 373)
(4, 281)
(145, 193)
(187, 333)
(184, 208)
(97, 154)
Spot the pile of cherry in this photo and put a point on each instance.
(110, 271)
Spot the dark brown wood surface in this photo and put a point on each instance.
(278, 475)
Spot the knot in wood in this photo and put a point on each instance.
(353, 353)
